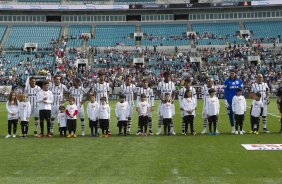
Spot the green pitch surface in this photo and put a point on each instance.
(152, 159)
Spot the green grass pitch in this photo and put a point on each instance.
(151, 159)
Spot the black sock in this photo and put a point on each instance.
(192, 127)
(107, 131)
(186, 128)
(164, 129)
(210, 126)
(119, 129)
(214, 126)
(23, 130)
(236, 126)
(145, 129)
(124, 130)
(91, 128)
(168, 129)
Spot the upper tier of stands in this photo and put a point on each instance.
(166, 34)
(134, 1)
(113, 35)
(74, 35)
(217, 34)
(265, 30)
(33, 34)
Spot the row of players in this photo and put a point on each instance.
(99, 114)
(101, 89)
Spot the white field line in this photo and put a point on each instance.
(268, 113)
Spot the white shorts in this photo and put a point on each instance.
(34, 112)
(54, 111)
(264, 112)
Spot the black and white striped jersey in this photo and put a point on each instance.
(58, 93)
(78, 94)
(166, 87)
(205, 93)
(32, 95)
(262, 88)
(128, 91)
(101, 90)
(149, 94)
(182, 91)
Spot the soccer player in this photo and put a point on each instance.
(256, 112)
(188, 107)
(230, 86)
(165, 86)
(260, 86)
(279, 104)
(181, 93)
(122, 113)
(143, 109)
(92, 112)
(150, 97)
(79, 94)
(101, 88)
(58, 89)
(32, 90)
(45, 99)
(128, 89)
(212, 111)
(239, 108)
(167, 112)
(206, 95)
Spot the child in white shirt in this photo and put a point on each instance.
(167, 112)
(143, 110)
(239, 108)
(188, 107)
(92, 112)
(71, 112)
(62, 121)
(256, 112)
(212, 111)
(122, 114)
(104, 116)
(25, 111)
(12, 107)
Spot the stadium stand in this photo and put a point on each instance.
(270, 32)
(165, 35)
(42, 35)
(217, 34)
(113, 35)
(74, 35)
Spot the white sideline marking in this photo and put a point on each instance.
(268, 113)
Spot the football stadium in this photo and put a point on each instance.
(140, 91)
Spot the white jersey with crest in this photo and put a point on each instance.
(32, 95)
(58, 93)
(128, 91)
(101, 90)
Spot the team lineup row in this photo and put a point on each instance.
(46, 104)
